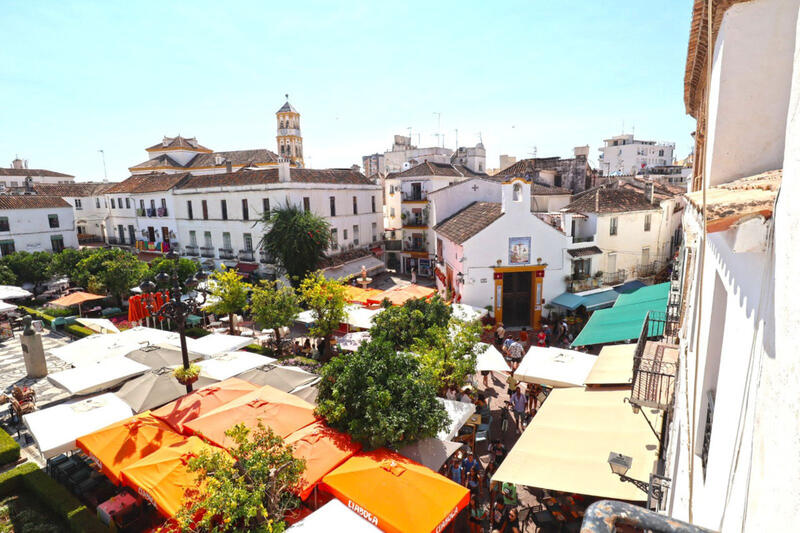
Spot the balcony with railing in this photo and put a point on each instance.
(582, 239)
(141, 212)
(655, 362)
(151, 212)
(414, 196)
(414, 221)
(191, 250)
(161, 211)
(615, 278)
(394, 245)
(113, 240)
(247, 256)
(649, 269)
(207, 251)
(226, 253)
(264, 257)
(415, 246)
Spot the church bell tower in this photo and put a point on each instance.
(289, 139)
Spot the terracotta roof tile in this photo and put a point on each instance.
(609, 200)
(428, 168)
(178, 142)
(143, 183)
(31, 201)
(730, 202)
(470, 221)
(75, 190)
(32, 172)
(270, 175)
(235, 157)
(583, 252)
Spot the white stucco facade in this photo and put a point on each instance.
(623, 154)
(29, 230)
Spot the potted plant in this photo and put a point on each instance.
(186, 376)
(598, 274)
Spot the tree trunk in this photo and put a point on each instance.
(278, 345)
(230, 324)
(324, 350)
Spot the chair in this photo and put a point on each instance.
(483, 431)
(21, 408)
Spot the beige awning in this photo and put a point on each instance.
(566, 446)
(614, 366)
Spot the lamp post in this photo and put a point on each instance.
(176, 309)
(620, 464)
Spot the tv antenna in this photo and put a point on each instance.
(103, 154)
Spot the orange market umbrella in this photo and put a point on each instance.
(202, 401)
(116, 446)
(77, 298)
(163, 477)
(396, 494)
(323, 449)
(281, 411)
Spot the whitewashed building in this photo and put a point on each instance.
(623, 154)
(493, 250)
(89, 205)
(731, 446)
(19, 174)
(34, 223)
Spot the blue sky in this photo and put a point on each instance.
(81, 76)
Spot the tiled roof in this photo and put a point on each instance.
(236, 157)
(531, 165)
(470, 221)
(542, 189)
(75, 190)
(428, 168)
(32, 172)
(728, 203)
(287, 108)
(154, 182)
(661, 191)
(270, 175)
(31, 201)
(583, 252)
(609, 200)
(177, 143)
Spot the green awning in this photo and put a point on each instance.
(624, 321)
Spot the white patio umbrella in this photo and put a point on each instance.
(156, 388)
(211, 345)
(285, 378)
(555, 367)
(491, 360)
(100, 325)
(55, 429)
(5, 307)
(360, 317)
(351, 341)
(459, 413)
(9, 292)
(467, 312)
(104, 375)
(227, 365)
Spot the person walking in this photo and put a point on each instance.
(413, 275)
(477, 514)
(515, 353)
(519, 404)
(499, 334)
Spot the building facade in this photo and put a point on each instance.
(89, 205)
(574, 174)
(34, 223)
(18, 175)
(623, 154)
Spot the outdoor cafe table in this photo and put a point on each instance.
(117, 505)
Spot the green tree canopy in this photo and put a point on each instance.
(29, 267)
(380, 397)
(250, 492)
(297, 239)
(7, 276)
(449, 354)
(186, 267)
(227, 294)
(274, 306)
(65, 262)
(406, 325)
(112, 271)
(326, 298)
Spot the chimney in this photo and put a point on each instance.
(283, 170)
(18, 163)
(649, 192)
(597, 201)
(355, 168)
(228, 167)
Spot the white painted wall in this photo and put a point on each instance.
(630, 157)
(31, 232)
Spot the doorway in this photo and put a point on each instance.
(151, 234)
(516, 299)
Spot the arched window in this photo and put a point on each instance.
(517, 192)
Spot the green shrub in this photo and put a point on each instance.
(78, 331)
(196, 332)
(9, 449)
(11, 480)
(255, 348)
(59, 499)
(38, 315)
(57, 311)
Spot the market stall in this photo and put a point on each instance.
(396, 494)
(56, 428)
(555, 367)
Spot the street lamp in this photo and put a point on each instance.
(177, 310)
(620, 464)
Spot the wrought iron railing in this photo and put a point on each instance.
(191, 250)
(614, 278)
(207, 251)
(247, 255)
(414, 246)
(414, 196)
(649, 269)
(655, 362)
(264, 256)
(226, 253)
(576, 240)
(394, 245)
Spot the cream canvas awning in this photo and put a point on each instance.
(614, 366)
(555, 367)
(566, 446)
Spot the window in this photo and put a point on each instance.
(344, 234)
(127, 203)
(4, 224)
(248, 242)
(517, 192)
(709, 423)
(391, 212)
(163, 203)
(53, 220)
(113, 204)
(373, 203)
(132, 233)
(647, 219)
(204, 204)
(333, 206)
(105, 202)
(306, 203)
(192, 238)
(153, 205)
(374, 231)
(189, 209)
(646, 255)
(334, 239)
(265, 207)
(81, 230)
(207, 239)
(141, 205)
(581, 268)
(245, 210)
(355, 235)
(7, 247)
(97, 202)
(224, 207)
(78, 203)
(612, 226)
(226, 240)
(355, 205)
(119, 202)
(57, 242)
(611, 263)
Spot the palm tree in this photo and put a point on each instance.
(297, 239)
